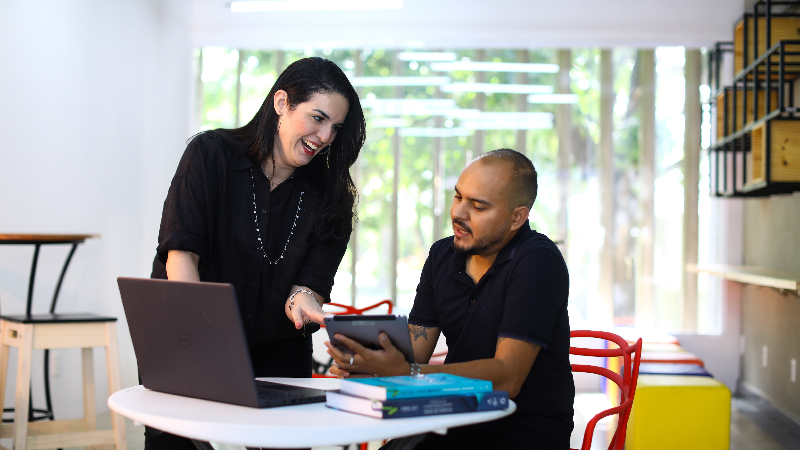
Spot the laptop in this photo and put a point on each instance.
(189, 340)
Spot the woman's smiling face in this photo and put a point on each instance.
(308, 128)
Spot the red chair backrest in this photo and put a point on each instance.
(626, 380)
(347, 309)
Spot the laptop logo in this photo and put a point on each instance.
(184, 340)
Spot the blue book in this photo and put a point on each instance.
(428, 385)
(420, 406)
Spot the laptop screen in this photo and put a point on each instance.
(188, 339)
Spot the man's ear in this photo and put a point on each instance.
(518, 217)
(280, 101)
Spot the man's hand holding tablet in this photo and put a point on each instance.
(349, 334)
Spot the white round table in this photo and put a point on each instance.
(299, 426)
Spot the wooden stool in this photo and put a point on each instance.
(54, 331)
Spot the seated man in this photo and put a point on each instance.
(498, 292)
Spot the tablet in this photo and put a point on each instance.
(365, 329)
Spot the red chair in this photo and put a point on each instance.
(438, 358)
(347, 309)
(625, 380)
(682, 357)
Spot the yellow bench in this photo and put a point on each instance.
(663, 353)
(679, 412)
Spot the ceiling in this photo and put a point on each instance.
(439, 24)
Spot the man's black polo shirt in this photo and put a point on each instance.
(522, 296)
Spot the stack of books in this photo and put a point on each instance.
(407, 396)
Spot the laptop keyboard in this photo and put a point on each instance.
(265, 393)
(269, 395)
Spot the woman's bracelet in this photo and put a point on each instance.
(291, 297)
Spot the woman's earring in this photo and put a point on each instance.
(279, 125)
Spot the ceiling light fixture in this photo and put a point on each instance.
(387, 122)
(433, 132)
(313, 5)
(426, 56)
(399, 81)
(494, 67)
(498, 88)
(518, 116)
(492, 124)
(553, 98)
(413, 107)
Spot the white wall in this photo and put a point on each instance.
(94, 114)
(721, 352)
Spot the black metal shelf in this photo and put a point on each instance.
(788, 114)
(766, 61)
(715, 57)
(767, 9)
(729, 160)
(757, 105)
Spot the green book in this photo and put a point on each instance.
(428, 385)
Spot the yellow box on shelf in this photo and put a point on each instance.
(726, 115)
(672, 411)
(781, 28)
(781, 138)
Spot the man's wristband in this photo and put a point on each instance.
(415, 370)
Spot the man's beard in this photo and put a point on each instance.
(480, 245)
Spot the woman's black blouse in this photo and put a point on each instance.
(209, 211)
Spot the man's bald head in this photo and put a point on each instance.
(522, 184)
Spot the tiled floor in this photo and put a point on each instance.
(746, 435)
(751, 428)
(755, 424)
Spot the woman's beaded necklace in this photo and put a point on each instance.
(258, 228)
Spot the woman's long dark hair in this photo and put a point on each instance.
(328, 173)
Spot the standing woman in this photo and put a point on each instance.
(269, 208)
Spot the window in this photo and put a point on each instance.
(429, 114)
